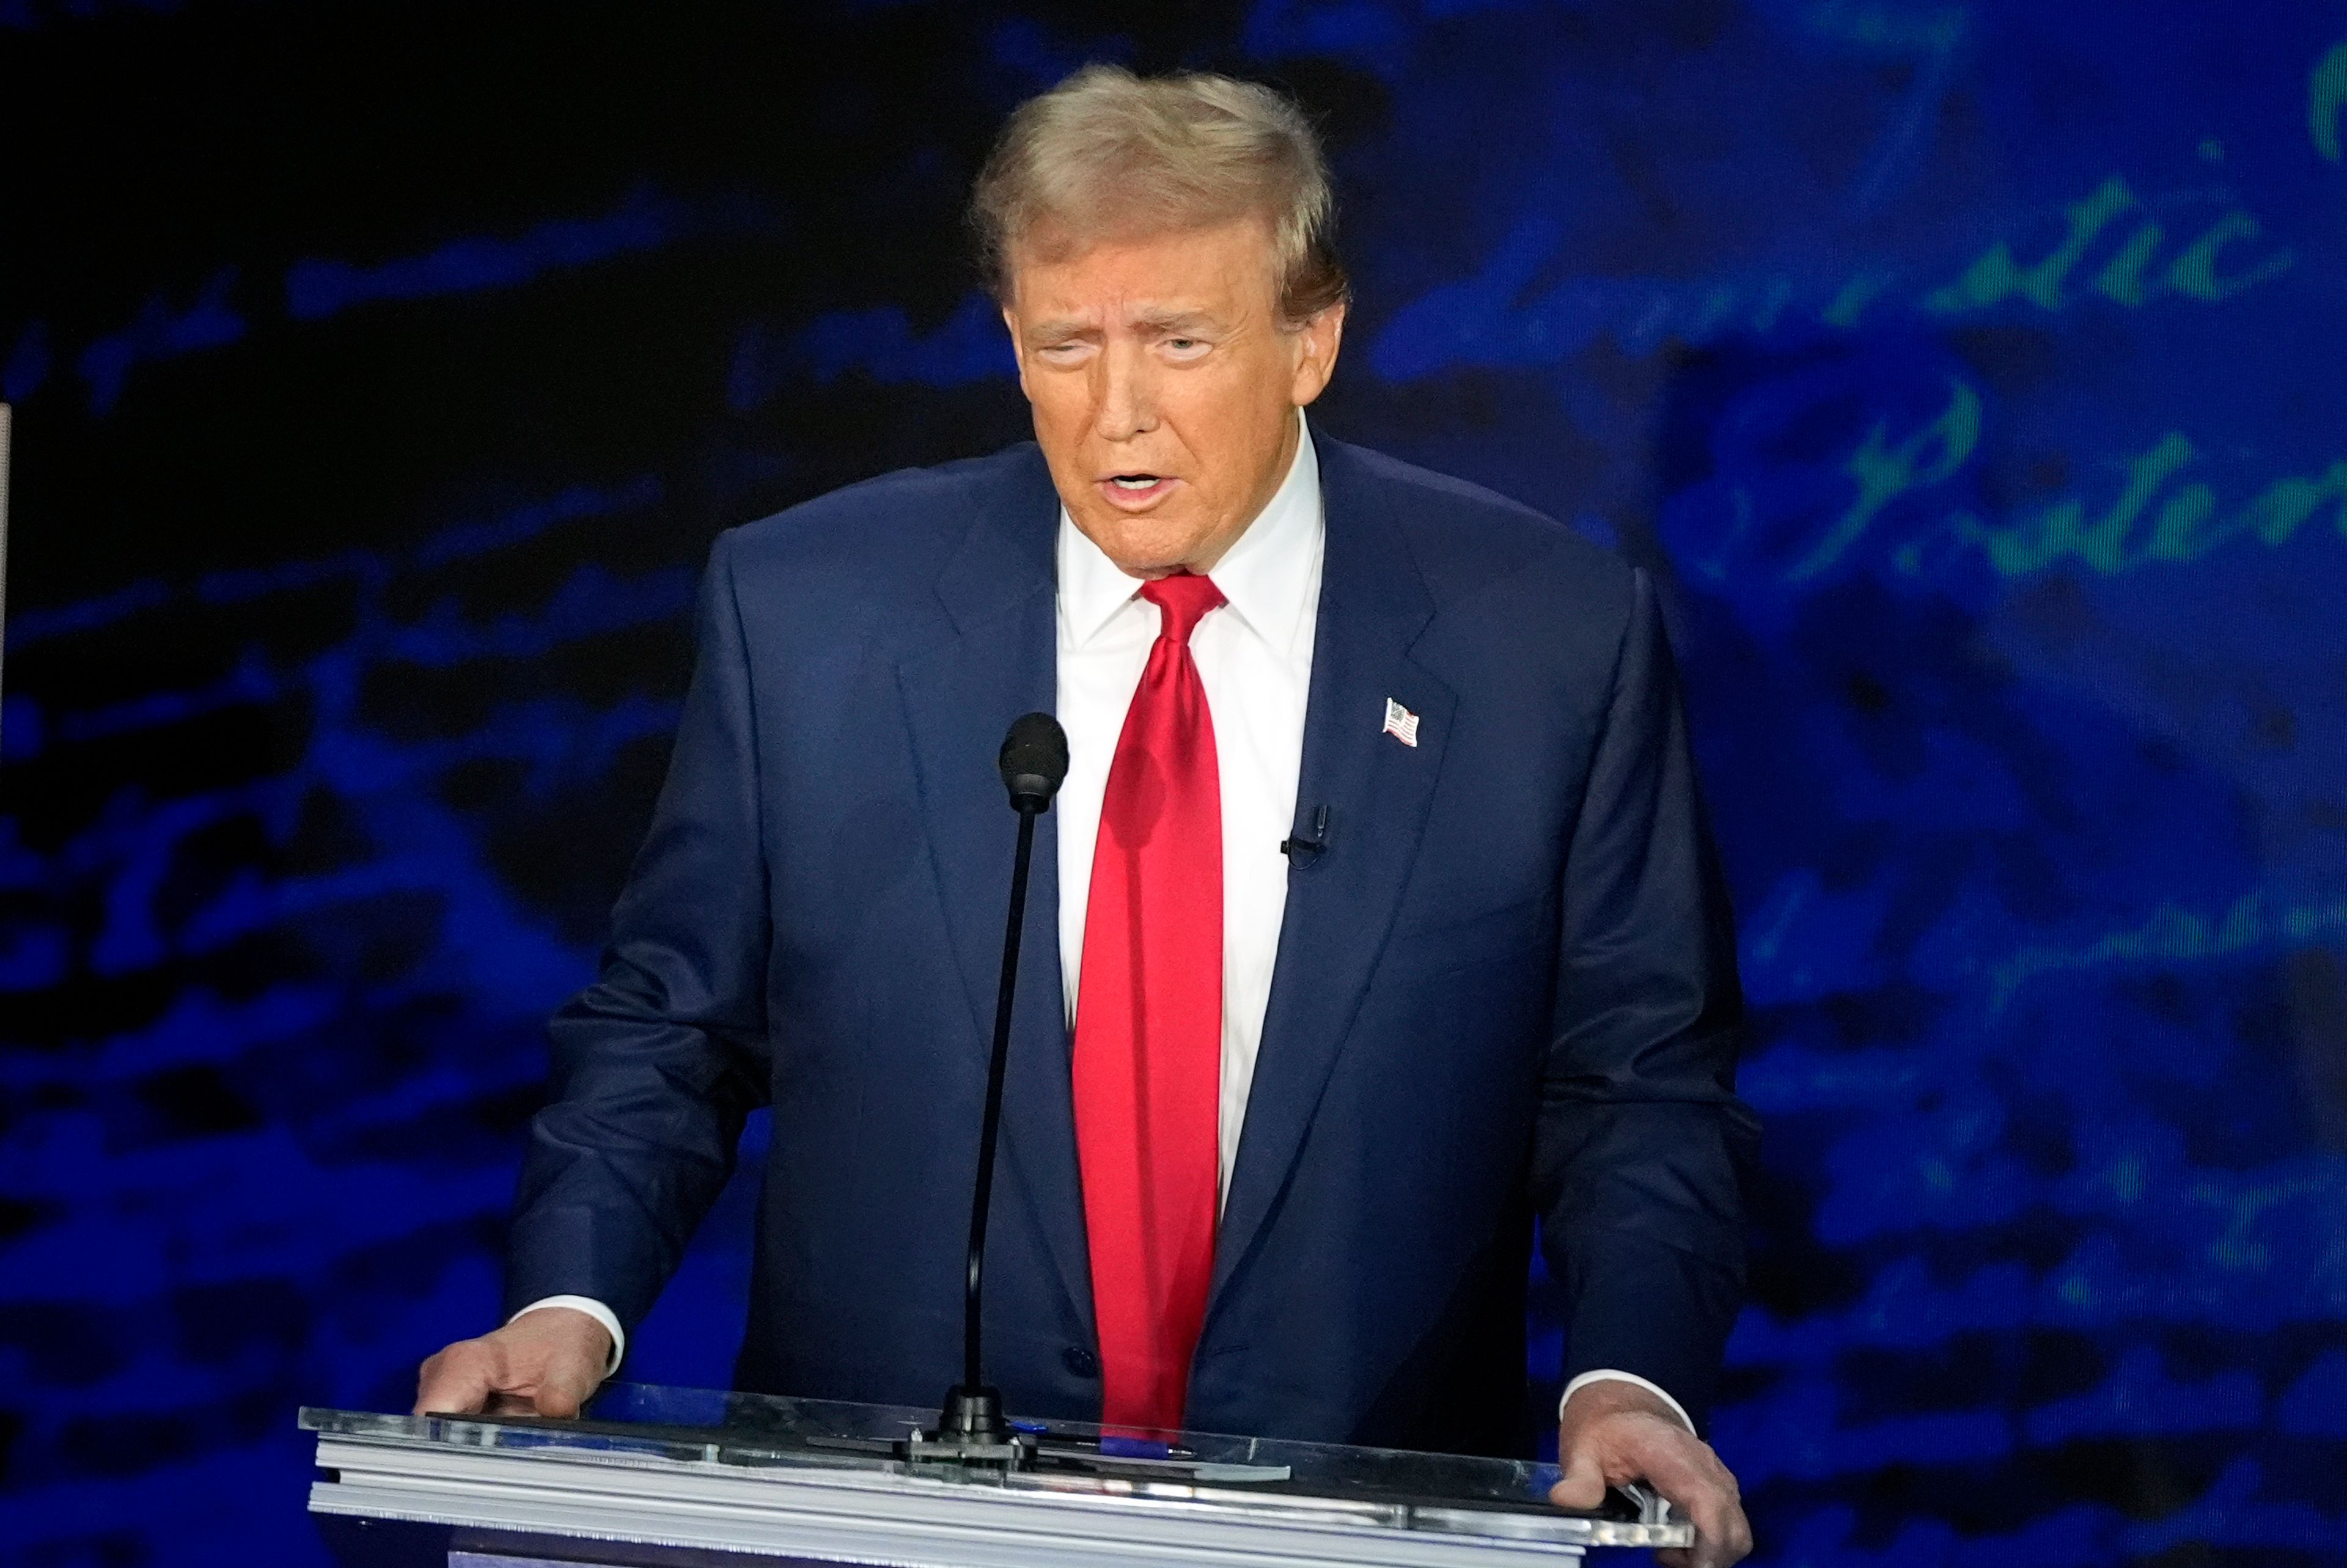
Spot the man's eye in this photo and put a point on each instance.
(1185, 346)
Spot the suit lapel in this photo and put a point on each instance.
(1340, 903)
(960, 696)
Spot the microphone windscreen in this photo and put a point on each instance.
(1034, 761)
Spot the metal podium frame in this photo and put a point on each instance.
(745, 1477)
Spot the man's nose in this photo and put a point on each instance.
(1127, 404)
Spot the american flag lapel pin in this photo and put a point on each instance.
(1400, 723)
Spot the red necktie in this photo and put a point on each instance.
(1149, 1027)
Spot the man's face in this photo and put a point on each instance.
(1165, 387)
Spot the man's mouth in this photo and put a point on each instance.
(1136, 489)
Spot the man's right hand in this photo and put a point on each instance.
(547, 1361)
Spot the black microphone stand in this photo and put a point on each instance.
(973, 1411)
(970, 1425)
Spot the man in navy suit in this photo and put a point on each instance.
(1380, 918)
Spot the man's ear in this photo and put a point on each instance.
(1317, 340)
(1010, 325)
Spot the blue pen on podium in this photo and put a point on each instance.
(1141, 1447)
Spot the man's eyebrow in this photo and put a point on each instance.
(1168, 321)
(1176, 320)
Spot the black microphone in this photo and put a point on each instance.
(1034, 761)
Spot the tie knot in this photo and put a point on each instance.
(1182, 600)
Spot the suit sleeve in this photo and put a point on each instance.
(657, 1064)
(1642, 1144)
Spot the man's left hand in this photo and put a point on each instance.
(1616, 1431)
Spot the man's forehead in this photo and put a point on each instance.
(1216, 274)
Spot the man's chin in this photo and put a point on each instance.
(1148, 546)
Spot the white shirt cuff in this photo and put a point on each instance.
(1606, 1374)
(602, 1315)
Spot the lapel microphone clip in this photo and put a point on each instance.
(1311, 848)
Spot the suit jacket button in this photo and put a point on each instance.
(1080, 1361)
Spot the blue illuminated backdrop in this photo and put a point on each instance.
(1973, 375)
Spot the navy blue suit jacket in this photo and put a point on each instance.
(1506, 989)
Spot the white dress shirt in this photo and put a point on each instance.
(1254, 655)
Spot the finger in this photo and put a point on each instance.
(556, 1398)
(1708, 1512)
(1674, 1557)
(454, 1381)
(1697, 1487)
(1721, 1535)
(1673, 1462)
(564, 1372)
(1583, 1485)
(565, 1389)
(1738, 1537)
(1705, 1503)
(1701, 1489)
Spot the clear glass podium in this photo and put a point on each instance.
(680, 1478)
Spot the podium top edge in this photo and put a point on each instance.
(774, 1441)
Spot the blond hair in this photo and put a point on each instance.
(1110, 155)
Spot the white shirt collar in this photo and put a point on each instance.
(1266, 577)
